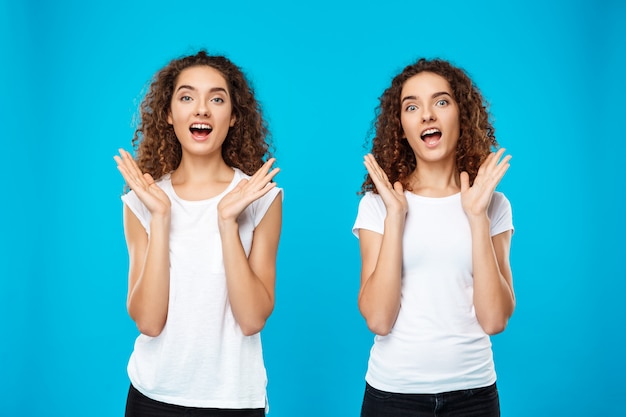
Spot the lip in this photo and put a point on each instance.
(435, 129)
(208, 125)
(429, 142)
(200, 131)
(198, 138)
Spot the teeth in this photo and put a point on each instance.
(203, 126)
(430, 131)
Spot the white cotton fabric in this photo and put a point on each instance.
(436, 344)
(201, 358)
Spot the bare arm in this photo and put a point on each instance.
(251, 280)
(381, 257)
(149, 272)
(149, 269)
(494, 299)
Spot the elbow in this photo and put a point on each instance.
(150, 329)
(251, 328)
(379, 324)
(494, 322)
(147, 325)
(494, 328)
(494, 325)
(379, 328)
(252, 324)
(253, 321)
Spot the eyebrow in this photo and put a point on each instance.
(212, 90)
(435, 95)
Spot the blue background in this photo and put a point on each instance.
(73, 73)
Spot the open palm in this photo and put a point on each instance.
(476, 199)
(150, 194)
(247, 191)
(392, 195)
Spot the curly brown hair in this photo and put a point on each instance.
(158, 151)
(394, 154)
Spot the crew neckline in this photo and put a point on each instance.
(229, 187)
(434, 199)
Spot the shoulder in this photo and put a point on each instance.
(137, 207)
(499, 202)
(500, 213)
(259, 207)
(372, 201)
(370, 198)
(371, 214)
(164, 180)
(240, 175)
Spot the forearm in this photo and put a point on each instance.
(379, 298)
(494, 300)
(149, 293)
(251, 301)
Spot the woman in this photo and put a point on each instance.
(202, 225)
(434, 237)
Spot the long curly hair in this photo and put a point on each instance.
(157, 149)
(393, 152)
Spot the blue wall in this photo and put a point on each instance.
(73, 73)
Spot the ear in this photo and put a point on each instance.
(169, 117)
(233, 119)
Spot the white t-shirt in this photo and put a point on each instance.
(201, 358)
(436, 344)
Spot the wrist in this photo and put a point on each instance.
(478, 220)
(227, 225)
(395, 219)
(158, 219)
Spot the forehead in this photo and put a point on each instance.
(201, 77)
(425, 84)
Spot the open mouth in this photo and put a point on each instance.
(200, 130)
(431, 136)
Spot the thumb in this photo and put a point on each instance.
(398, 187)
(464, 181)
(148, 179)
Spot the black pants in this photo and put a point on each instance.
(138, 405)
(477, 402)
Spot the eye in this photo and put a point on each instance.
(185, 98)
(411, 107)
(442, 102)
(217, 100)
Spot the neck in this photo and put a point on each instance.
(201, 170)
(435, 180)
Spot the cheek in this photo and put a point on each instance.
(405, 122)
(453, 121)
(409, 123)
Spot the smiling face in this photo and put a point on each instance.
(201, 110)
(430, 117)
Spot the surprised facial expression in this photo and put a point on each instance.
(201, 110)
(430, 116)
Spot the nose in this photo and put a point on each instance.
(428, 114)
(202, 109)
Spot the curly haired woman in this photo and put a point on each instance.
(202, 225)
(435, 238)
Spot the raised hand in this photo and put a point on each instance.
(150, 194)
(247, 191)
(392, 195)
(476, 199)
